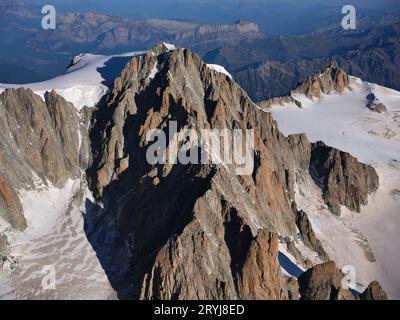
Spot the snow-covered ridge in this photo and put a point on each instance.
(219, 69)
(85, 82)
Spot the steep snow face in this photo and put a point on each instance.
(368, 241)
(86, 81)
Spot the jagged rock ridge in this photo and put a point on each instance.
(192, 231)
(198, 222)
(331, 80)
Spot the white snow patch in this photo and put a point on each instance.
(219, 69)
(169, 46)
(42, 206)
(153, 72)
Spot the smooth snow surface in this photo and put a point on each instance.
(344, 122)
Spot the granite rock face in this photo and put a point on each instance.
(260, 277)
(323, 282)
(3, 245)
(43, 140)
(198, 222)
(333, 79)
(202, 222)
(342, 178)
(189, 231)
(308, 236)
(10, 206)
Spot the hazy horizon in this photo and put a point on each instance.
(275, 17)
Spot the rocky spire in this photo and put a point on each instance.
(332, 79)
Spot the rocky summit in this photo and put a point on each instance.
(199, 231)
(185, 231)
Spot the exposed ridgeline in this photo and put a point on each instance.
(332, 80)
(197, 231)
(210, 33)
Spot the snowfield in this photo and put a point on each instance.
(369, 241)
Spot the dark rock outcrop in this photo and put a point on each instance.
(3, 245)
(323, 282)
(342, 178)
(374, 292)
(375, 105)
(308, 236)
(331, 80)
(293, 289)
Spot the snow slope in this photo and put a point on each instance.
(55, 238)
(84, 83)
(343, 121)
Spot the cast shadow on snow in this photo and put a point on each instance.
(112, 69)
(111, 246)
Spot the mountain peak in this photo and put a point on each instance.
(332, 80)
